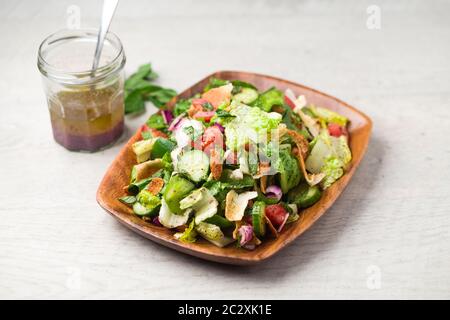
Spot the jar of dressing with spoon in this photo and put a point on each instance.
(86, 106)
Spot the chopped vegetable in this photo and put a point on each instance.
(269, 98)
(259, 218)
(194, 164)
(170, 219)
(234, 164)
(177, 188)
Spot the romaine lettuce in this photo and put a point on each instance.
(250, 123)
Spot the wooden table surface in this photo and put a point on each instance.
(386, 237)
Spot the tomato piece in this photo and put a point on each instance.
(205, 115)
(199, 101)
(289, 102)
(212, 138)
(144, 127)
(336, 130)
(276, 213)
(217, 96)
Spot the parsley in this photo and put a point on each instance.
(224, 114)
(156, 121)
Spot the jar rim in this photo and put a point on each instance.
(84, 76)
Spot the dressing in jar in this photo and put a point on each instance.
(86, 107)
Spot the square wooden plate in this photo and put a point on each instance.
(118, 175)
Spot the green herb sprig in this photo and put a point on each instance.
(139, 89)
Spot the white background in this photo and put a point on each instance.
(394, 216)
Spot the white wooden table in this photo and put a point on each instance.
(386, 237)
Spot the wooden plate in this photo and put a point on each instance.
(118, 175)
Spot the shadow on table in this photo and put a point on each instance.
(314, 242)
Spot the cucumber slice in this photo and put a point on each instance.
(304, 195)
(258, 218)
(209, 231)
(194, 164)
(140, 209)
(176, 189)
(220, 221)
(161, 147)
(246, 96)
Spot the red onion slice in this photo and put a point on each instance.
(176, 122)
(156, 222)
(274, 191)
(167, 116)
(246, 234)
(284, 222)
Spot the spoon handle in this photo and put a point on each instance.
(109, 7)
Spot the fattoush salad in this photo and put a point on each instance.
(234, 165)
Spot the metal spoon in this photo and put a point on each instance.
(109, 7)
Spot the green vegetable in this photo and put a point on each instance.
(170, 219)
(137, 186)
(220, 221)
(304, 195)
(189, 235)
(156, 121)
(266, 200)
(138, 89)
(258, 218)
(145, 199)
(209, 231)
(203, 203)
(144, 72)
(246, 182)
(238, 85)
(146, 135)
(269, 98)
(246, 96)
(214, 83)
(128, 200)
(161, 147)
(308, 112)
(134, 102)
(141, 210)
(181, 107)
(194, 164)
(328, 115)
(333, 169)
(176, 189)
(142, 149)
(329, 155)
(133, 174)
(287, 166)
(249, 124)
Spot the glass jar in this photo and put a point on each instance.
(86, 107)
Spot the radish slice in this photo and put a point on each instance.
(167, 116)
(274, 191)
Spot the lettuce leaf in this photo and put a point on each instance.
(269, 98)
(329, 155)
(189, 235)
(333, 170)
(250, 123)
